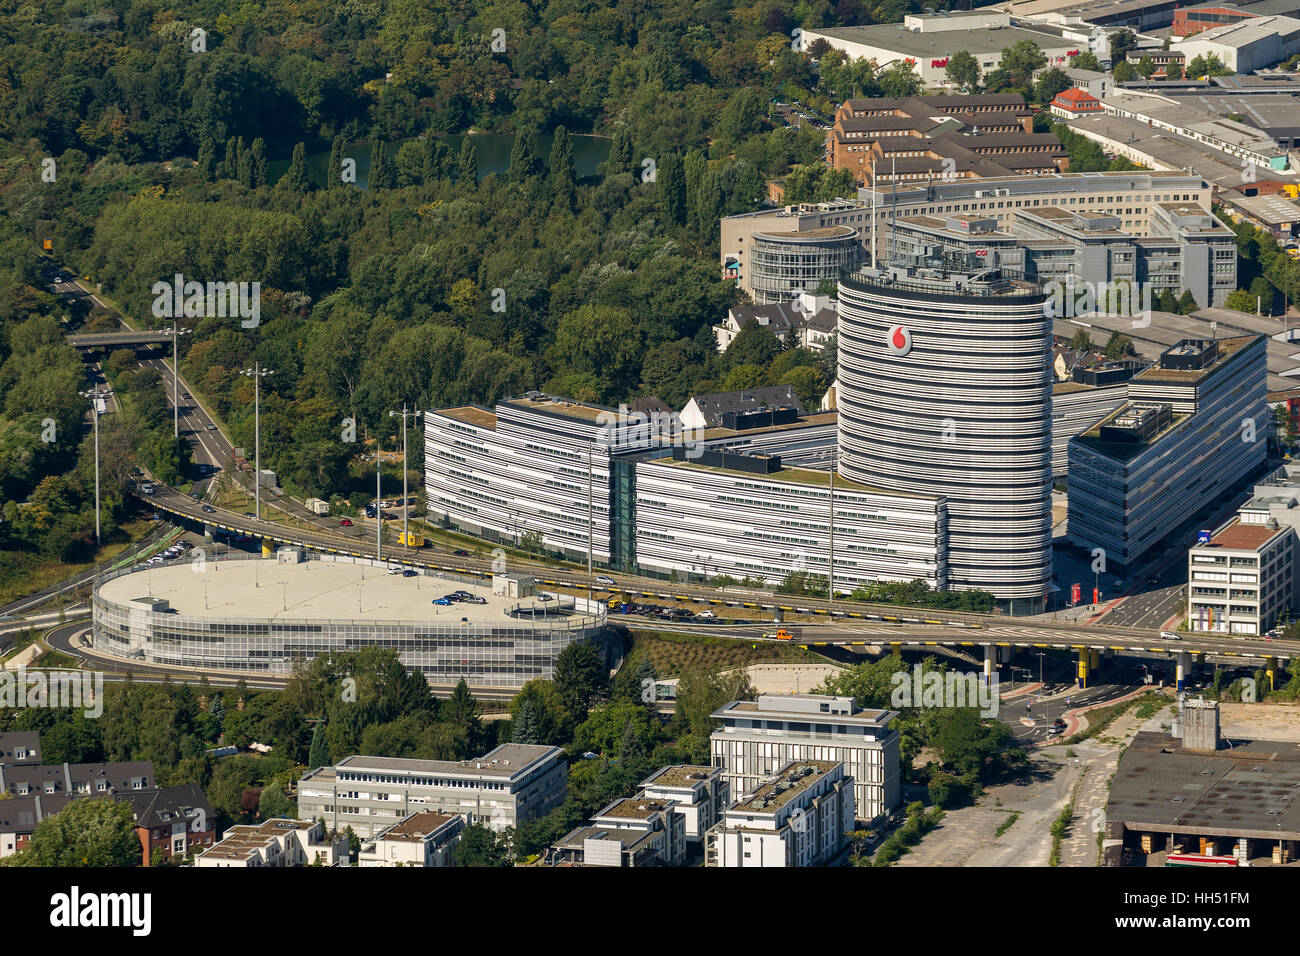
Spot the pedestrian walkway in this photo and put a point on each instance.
(1096, 760)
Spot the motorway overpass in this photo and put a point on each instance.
(847, 625)
(100, 340)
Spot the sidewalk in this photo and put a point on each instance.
(1097, 762)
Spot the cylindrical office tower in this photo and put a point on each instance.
(945, 388)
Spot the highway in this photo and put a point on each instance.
(863, 624)
(847, 625)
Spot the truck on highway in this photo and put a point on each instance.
(411, 539)
(317, 506)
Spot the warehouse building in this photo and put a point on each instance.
(925, 43)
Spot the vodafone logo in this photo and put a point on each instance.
(898, 340)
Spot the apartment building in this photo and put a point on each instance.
(1194, 429)
(630, 832)
(758, 738)
(78, 779)
(1241, 578)
(700, 795)
(276, 843)
(800, 816)
(20, 747)
(171, 821)
(20, 815)
(508, 786)
(425, 839)
(1130, 197)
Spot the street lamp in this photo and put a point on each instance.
(257, 373)
(176, 391)
(95, 394)
(406, 509)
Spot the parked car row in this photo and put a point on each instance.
(458, 597)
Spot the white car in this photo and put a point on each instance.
(606, 580)
(706, 615)
(394, 570)
(1170, 636)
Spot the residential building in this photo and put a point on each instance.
(630, 832)
(1194, 429)
(945, 389)
(1073, 103)
(1132, 197)
(759, 737)
(1246, 46)
(925, 43)
(78, 779)
(1241, 578)
(1092, 82)
(173, 821)
(513, 784)
(20, 815)
(801, 816)
(426, 838)
(276, 843)
(19, 747)
(804, 319)
(741, 409)
(700, 795)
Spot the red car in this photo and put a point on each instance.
(346, 523)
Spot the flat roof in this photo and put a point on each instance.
(799, 476)
(681, 775)
(1243, 537)
(417, 826)
(824, 232)
(564, 407)
(889, 36)
(1247, 790)
(505, 761)
(790, 782)
(266, 590)
(1228, 347)
(873, 717)
(471, 415)
(632, 808)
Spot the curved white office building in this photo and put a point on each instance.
(945, 389)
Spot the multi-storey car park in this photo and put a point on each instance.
(1133, 198)
(1194, 429)
(259, 616)
(945, 389)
